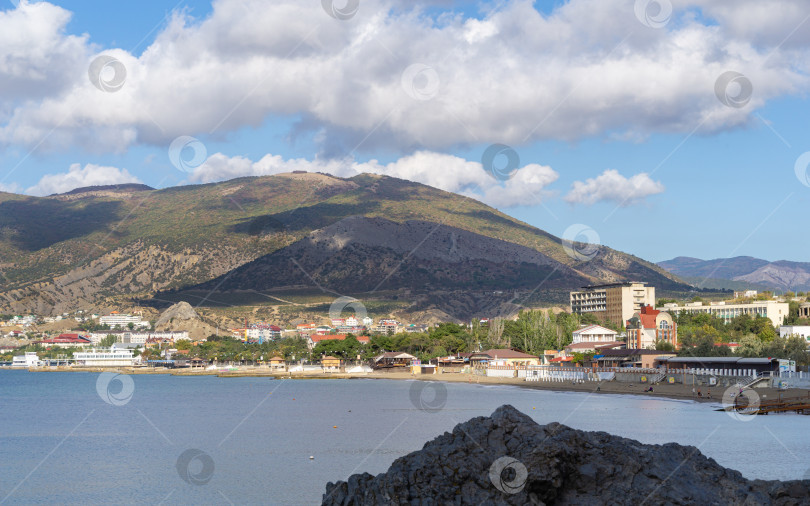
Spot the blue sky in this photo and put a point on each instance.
(618, 126)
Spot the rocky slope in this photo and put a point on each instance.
(508, 458)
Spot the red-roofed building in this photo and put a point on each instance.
(65, 341)
(649, 326)
(313, 340)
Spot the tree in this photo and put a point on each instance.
(108, 341)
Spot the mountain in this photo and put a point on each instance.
(366, 236)
(748, 271)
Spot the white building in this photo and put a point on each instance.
(130, 337)
(771, 309)
(795, 330)
(594, 334)
(118, 320)
(113, 357)
(30, 359)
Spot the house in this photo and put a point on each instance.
(330, 363)
(277, 364)
(594, 334)
(393, 359)
(65, 341)
(505, 357)
(649, 326)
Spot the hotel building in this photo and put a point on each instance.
(614, 302)
(771, 309)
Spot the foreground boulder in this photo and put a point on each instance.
(508, 458)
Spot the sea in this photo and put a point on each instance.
(105, 438)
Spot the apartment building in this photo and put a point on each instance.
(614, 302)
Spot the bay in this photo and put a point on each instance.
(80, 438)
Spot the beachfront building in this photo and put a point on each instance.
(118, 320)
(802, 331)
(113, 357)
(30, 359)
(331, 364)
(774, 310)
(723, 365)
(614, 302)
(649, 326)
(503, 357)
(647, 359)
(393, 359)
(277, 364)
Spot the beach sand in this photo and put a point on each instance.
(672, 391)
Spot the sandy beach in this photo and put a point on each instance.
(672, 391)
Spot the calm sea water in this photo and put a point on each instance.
(79, 438)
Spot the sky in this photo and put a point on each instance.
(661, 128)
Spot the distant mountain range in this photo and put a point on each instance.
(363, 236)
(741, 272)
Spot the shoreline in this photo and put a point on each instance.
(678, 392)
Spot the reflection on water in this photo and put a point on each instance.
(260, 434)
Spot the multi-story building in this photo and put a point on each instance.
(118, 320)
(614, 302)
(649, 326)
(130, 337)
(771, 309)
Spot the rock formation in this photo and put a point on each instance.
(508, 458)
(182, 316)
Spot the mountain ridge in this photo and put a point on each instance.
(62, 253)
(783, 275)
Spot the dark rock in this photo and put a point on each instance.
(508, 458)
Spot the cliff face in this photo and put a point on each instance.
(508, 458)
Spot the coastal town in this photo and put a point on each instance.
(612, 332)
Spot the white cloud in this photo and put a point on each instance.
(10, 188)
(513, 77)
(526, 186)
(78, 177)
(613, 187)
